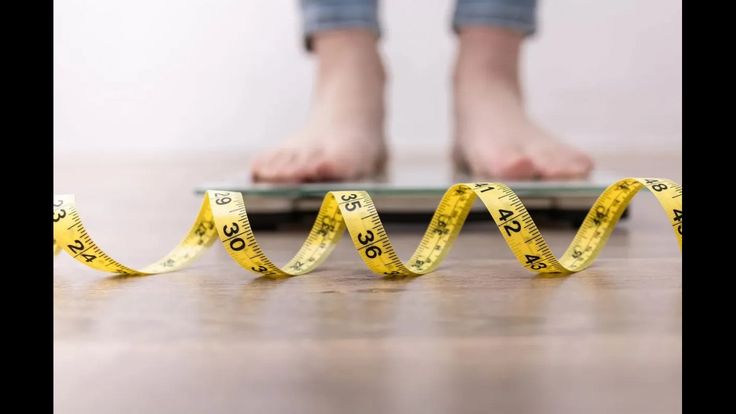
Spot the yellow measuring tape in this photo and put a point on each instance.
(223, 214)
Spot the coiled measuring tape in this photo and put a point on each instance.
(223, 215)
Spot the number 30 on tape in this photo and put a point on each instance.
(223, 215)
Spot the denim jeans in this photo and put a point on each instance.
(320, 15)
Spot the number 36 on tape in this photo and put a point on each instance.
(223, 216)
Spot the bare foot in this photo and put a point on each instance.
(494, 138)
(343, 138)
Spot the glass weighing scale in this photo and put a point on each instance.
(410, 195)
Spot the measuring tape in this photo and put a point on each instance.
(223, 215)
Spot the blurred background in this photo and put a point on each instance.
(171, 76)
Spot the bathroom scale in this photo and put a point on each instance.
(411, 195)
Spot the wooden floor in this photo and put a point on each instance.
(480, 335)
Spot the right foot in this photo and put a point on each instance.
(343, 138)
(494, 137)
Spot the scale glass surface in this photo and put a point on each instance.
(410, 195)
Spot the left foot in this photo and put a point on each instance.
(494, 138)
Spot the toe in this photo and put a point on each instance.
(327, 169)
(515, 167)
(502, 163)
(583, 165)
(276, 167)
(301, 168)
(260, 167)
(332, 168)
(564, 163)
(489, 159)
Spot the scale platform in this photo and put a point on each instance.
(411, 196)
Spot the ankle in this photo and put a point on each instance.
(344, 40)
(349, 49)
(488, 54)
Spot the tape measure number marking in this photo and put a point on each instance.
(223, 215)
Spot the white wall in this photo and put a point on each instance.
(230, 75)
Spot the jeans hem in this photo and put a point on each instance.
(520, 19)
(319, 18)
